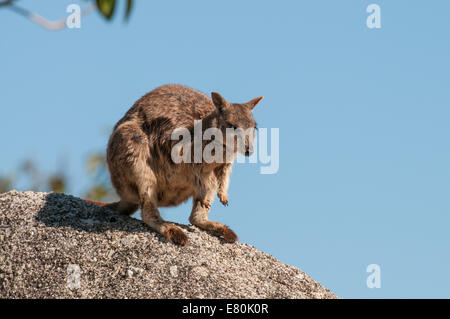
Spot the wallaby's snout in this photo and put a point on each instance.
(248, 152)
(239, 118)
(249, 144)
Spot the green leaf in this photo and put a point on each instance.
(106, 8)
(129, 8)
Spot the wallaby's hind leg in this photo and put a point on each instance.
(151, 216)
(146, 186)
(200, 211)
(135, 181)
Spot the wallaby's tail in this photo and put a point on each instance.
(101, 204)
(120, 207)
(113, 206)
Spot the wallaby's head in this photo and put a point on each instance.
(237, 119)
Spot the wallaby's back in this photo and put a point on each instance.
(172, 106)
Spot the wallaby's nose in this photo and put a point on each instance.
(247, 152)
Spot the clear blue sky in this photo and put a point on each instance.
(363, 116)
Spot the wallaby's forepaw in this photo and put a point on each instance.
(176, 235)
(223, 199)
(229, 235)
(205, 204)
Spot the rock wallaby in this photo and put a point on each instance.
(143, 171)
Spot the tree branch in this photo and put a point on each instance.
(6, 3)
(43, 22)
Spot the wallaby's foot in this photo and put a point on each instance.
(219, 229)
(150, 216)
(229, 235)
(223, 199)
(176, 235)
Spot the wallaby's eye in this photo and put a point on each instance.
(232, 126)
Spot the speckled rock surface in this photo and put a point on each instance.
(57, 246)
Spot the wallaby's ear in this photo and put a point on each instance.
(254, 102)
(219, 101)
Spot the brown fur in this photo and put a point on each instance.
(140, 164)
